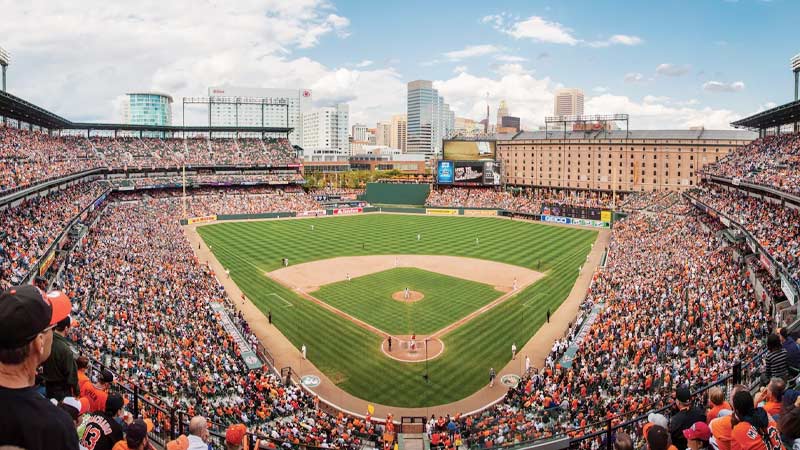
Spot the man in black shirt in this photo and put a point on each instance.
(104, 429)
(27, 419)
(684, 418)
(60, 372)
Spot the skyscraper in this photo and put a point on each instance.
(568, 102)
(429, 118)
(383, 134)
(398, 132)
(147, 108)
(325, 130)
(502, 111)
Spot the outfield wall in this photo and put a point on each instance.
(397, 194)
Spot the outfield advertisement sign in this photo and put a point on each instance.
(248, 355)
(202, 219)
(574, 221)
(444, 172)
(480, 212)
(346, 211)
(441, 212)
(312, 213)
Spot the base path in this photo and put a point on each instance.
(286, 354)
(307, 276)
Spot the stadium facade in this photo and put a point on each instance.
(646, 160)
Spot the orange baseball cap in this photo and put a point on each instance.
(26, 312)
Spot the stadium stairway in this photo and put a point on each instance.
(413, 441)
(566, 358)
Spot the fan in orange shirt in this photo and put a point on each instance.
(753, 429)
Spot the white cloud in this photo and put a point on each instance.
(541, 30)
(719, 86)
(459, 69)
(472, 51)
(510, 58)
(634, 77)
(672, 70)
(617, 39)
(658, 115)
(655, 99)
(600, 89)
(364, 63)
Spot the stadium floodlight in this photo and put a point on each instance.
(5, 60)
(796, 70)
(795, 63)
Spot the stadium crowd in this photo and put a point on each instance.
(776, 228)
(526, 202)
(28, 157)
(771, 160)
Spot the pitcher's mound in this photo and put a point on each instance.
(413, 296)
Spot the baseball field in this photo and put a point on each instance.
(349, 276)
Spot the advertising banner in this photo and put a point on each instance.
(312, 213)
(202, 219)
(444, 172)
(788, 290)
(556, 219)
(605, 216)
(574, 221)
(467, 172)
(767, 264)
(480, 212)
(47, 262)
(346, 211)
(441, 212)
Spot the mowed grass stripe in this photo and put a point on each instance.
(349, 355)
(369, 298)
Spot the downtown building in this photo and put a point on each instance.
(429, 119)
(260, 107)
(325, 133)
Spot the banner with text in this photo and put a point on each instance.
(442, 212)
(345, 211)
(202, 219)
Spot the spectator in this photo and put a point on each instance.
(684, 418)
(136, 436)
(752, 428)
(27, 419)
(792, 350)
(716, 403)
(697, 436)
(198, 433)
(97, 393)
(658, 438)
(789, 421)
(104, 429)
(777, 358)
(60, 373)
(235, 436)
(623, 442)
(722, 427)
(771, 396)
(182, 443)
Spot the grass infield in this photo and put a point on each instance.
(350, 355)
(369, 298)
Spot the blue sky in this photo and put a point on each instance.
(668, 64)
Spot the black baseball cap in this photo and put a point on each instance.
(114, 403)
(682, 394)
(135, 433)
(25, 312)
(106, 376)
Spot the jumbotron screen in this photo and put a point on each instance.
(468, 150)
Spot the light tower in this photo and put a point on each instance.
(796, 70)
(5, 60)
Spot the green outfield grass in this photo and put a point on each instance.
(350, 355)
(369, 298)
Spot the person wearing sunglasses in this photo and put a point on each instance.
(27, 419)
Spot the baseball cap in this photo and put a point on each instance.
(26, 312)
(658, 419)
(235, 434)
(682, 394)
(136, 432)
(106, 376)
(114, 403)
(698, 431)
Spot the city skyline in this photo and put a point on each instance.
(693, 66)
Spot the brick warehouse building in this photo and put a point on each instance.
(646, 160)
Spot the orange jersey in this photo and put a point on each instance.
(97, 397)
(746, 437)
(721, 430)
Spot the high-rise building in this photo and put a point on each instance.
(383, 134)
(325, 130)
(568, 102)
(269, 110)
(147, 108)
(360, 132)
(429, 118)
(398, 132)
(502, 111)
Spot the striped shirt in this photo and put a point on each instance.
(778, 364)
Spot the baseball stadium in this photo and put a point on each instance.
(195, 277)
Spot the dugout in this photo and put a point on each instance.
(397, 194)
